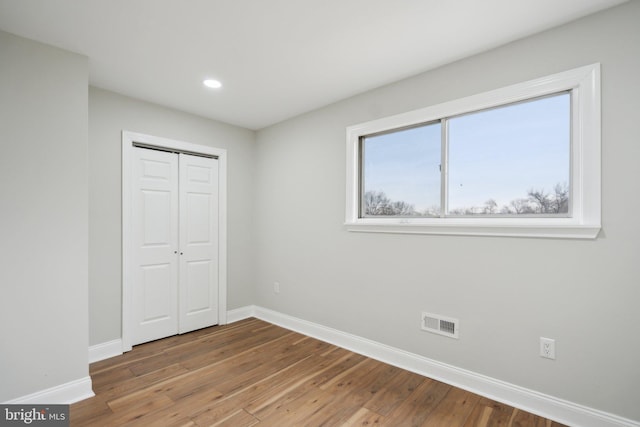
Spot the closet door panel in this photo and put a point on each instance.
(155, 216)
(198, 242)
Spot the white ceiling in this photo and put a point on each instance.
(275, 58)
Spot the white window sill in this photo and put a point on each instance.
(542, 228)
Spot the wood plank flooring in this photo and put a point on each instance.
(252, 373)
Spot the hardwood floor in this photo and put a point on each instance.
(252, 373)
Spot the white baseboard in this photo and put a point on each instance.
(241, 313)
(64, 394)
(105, 350)
(560, 410)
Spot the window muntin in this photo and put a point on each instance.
(584, 209)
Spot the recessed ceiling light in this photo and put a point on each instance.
(214, 84)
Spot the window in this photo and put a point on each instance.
(401, 172)
(518, 161)
(509, 160)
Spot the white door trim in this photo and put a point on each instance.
(128, 141)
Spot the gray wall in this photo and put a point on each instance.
(44, 227)
(109, 115)
(507, 292)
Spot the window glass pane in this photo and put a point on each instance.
(512, 160)
(401, 172)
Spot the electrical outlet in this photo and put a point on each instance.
(276, 287)
(547, 348)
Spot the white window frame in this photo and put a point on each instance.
(584, 218)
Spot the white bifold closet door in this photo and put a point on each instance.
(175, 232)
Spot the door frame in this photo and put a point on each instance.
(129, 141)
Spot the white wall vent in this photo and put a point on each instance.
(442, 325)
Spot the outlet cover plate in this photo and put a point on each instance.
(548, 348)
